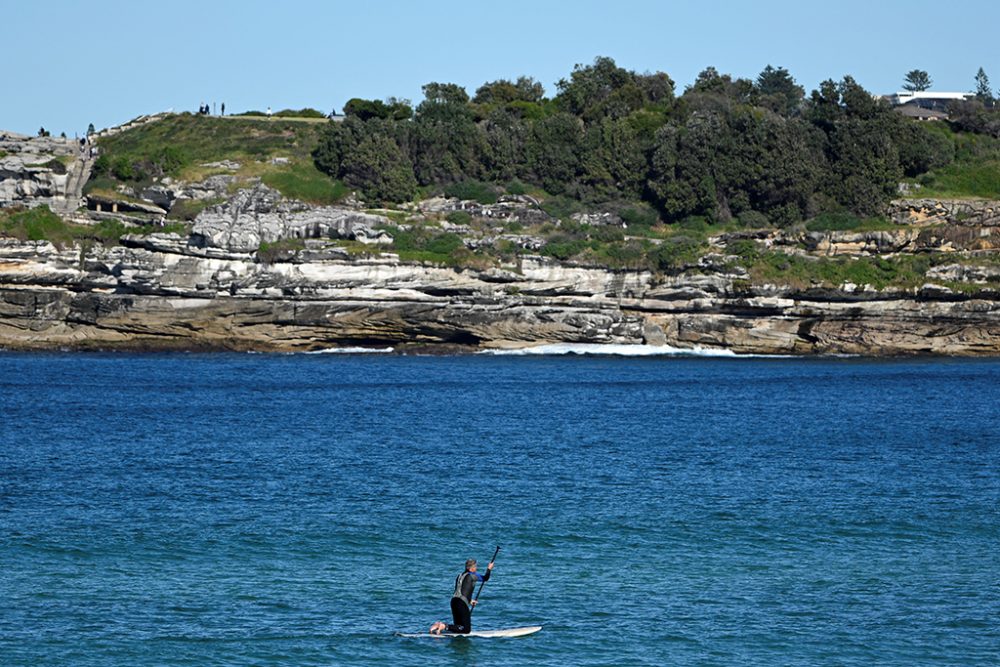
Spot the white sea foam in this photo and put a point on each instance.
(618, 350)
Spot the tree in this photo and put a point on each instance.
(715, 91)
(921, 149)
(917, 80)
(983, 91)
(776, 90)
(506, 136)
(604, 90)
(613, 163)
(378, 168)
(503, 91)
(90, 129)
(553, 150)
(446, 145)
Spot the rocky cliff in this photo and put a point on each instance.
(332, 284)
(211, 289)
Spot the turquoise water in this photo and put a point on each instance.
(253, 509)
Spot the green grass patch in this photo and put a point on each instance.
(904, 271)
(301, 180)
(975, 172)
(279, 251)
(41, 224)
(188, 209)
(980, 179)
(180, 143)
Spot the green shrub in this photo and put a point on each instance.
(444, 244)
(695, 223)
(171, 159)
(675, 252)
(563, 246)
(459, 218)
(639, 216)
(607, 234)
(279, 251)
(422, 245)
(188, 209)
(746, 249)
(516, 187)
(484, 193)
(753, 220)
(56, 166)
(121, 168)
(626, 255)
(561, 207)
(879, 272)
(300, 113)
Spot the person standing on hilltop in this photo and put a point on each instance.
(461, 600)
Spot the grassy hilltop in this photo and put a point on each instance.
(179, 146)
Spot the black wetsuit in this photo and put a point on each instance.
(461, 607)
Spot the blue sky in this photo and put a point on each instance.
(70, 63)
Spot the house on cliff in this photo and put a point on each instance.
(925, 105)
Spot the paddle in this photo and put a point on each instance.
(476, 600)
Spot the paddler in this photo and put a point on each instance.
(461, 600)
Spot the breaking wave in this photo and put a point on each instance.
(599, 349)
(353, 350)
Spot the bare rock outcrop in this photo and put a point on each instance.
(35, 170)
(261, 215)
(969, 212)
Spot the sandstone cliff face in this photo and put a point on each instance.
(215, 288)
(164, 291)
(31, 172)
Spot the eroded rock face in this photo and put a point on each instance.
(31, 170)
(968, 212)
(914, 240)
(163, 290)
(521, 209)
(261, 215)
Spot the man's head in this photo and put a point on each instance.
(470, 565)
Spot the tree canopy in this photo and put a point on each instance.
(725, 148)
(917, 80)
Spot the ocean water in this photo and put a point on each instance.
(232, 509)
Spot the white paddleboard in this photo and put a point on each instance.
(508, 632)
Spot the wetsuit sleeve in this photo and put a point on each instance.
(484, 577)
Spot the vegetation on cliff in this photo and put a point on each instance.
(276, 150)
(677, 171)
(41, 224)
(723, 149)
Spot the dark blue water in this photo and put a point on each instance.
(247, 509)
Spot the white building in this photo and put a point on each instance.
(928, 99)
